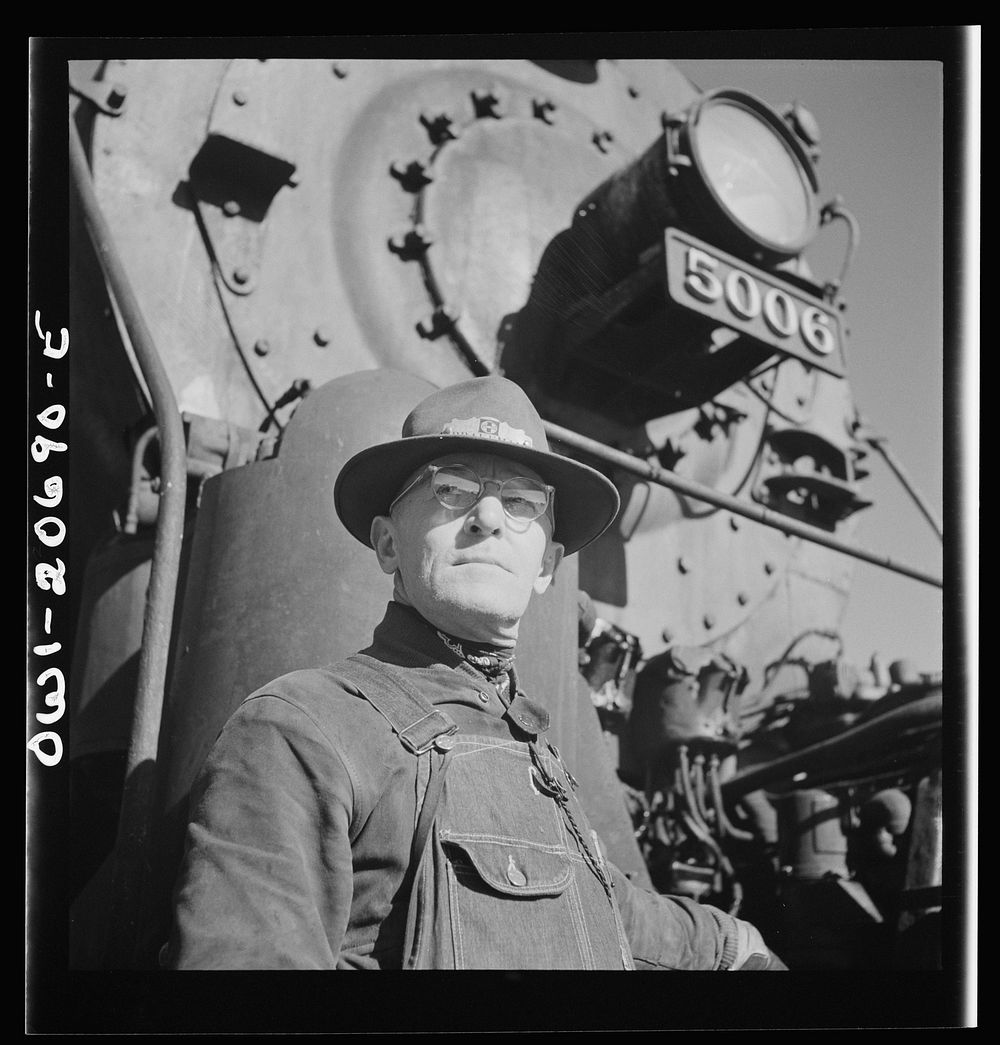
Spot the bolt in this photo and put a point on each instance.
(485, 104)
(543, 110)
(441, 321)
(413, 178)
(439, 128)
(239, 98)
(262, 346)
(241, 276)
(412, 246)
(230, 208)
(322, 336)
(601, 139)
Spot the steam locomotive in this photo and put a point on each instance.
(273, 259)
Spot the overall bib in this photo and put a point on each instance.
(505, 871)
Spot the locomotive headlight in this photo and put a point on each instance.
(748, 173)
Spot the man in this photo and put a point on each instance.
(402, 808)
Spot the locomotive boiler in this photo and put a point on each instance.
(273, 259)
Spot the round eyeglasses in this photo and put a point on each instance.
(458, 487)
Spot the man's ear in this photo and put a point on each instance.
(383, 539)
(550, 563)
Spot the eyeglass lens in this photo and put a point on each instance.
(459, 487)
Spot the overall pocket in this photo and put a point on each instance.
(498, 886)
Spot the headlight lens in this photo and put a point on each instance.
(755, 170)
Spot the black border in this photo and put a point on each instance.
(61, 1002)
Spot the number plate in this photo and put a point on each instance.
(752, 302)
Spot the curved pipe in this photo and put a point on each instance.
(132, 514)
(135, 819)
(836, 209)
(698, 768)
(922, 714)
(726, 826)
(638, 466)
(684, 772)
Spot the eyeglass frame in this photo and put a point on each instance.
(433, 469)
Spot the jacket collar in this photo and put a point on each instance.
(403, 637)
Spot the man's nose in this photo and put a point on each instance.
(486, 516)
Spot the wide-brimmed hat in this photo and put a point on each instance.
(483, 415)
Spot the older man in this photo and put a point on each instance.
(402, 808)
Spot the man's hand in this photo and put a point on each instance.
(752, 954)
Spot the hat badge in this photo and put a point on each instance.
(488, 428)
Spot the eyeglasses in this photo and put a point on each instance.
(458, 487)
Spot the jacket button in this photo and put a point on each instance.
(484, 697)
(514, 873)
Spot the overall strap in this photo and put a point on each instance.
(417, 723)
(420, 728)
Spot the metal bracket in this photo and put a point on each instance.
(109, 98)
(234, 184)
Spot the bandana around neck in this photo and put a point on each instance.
(491, 661)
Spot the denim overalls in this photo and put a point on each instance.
(506, 872)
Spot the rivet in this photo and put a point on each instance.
(230, 208)
(769, 567)
(667, 635)
(239, 98)
(682, 564)
(338, 71)
(741, 598)
(708, 620)
(116, 96)
(241, 276)
(734, 523)
(262, 346)
(322, 336)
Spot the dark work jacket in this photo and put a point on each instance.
(303, 817)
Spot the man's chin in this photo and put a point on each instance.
(483, 612)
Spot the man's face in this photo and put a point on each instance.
(469, 572)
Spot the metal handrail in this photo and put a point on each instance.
(135, 819)
(758, 513)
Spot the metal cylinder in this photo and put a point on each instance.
(812, 843)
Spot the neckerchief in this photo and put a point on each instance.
(493, 662)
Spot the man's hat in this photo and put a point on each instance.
(483, 415)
